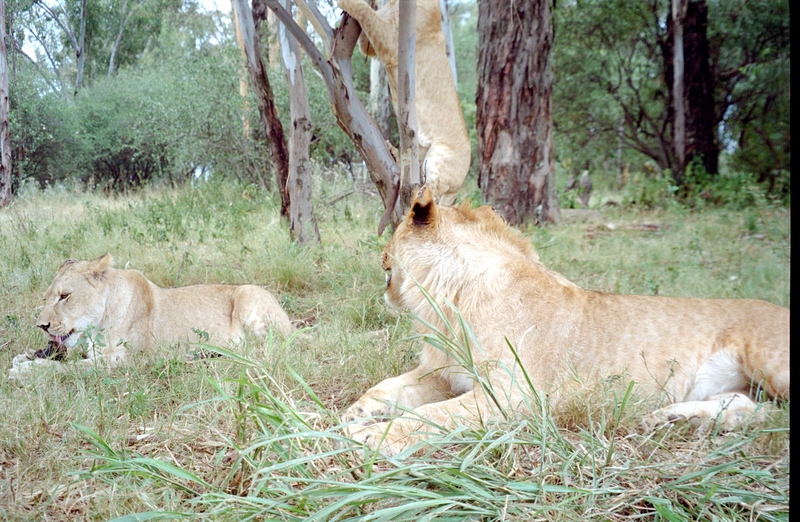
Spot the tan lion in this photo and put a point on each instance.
(129, 310)
(704, 356)
(443, 141)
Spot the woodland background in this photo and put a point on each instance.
(154, 98)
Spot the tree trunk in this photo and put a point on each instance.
(699, 89)
(126, 16)
(273, 130)
(303, 225)
(411, 177)
(514, 119)
(679, 122)
(379, 98)
(5, 137)
(243, 84)
(80, 52)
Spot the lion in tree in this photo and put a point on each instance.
(443, 140)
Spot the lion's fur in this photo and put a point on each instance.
(129, 310)
(703, 356)
(443, 140)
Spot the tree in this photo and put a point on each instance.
(60, 15)
(615, 83)
(5, 136)
(273, 129)
(350, 114)
(411, 176)
(379, 98)
(303, 225)
(678, 100)
(515, 139)
(686, 51)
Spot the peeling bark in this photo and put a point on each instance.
(514, 118)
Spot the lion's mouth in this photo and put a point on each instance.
(59, 339)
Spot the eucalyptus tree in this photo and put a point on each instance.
(249, 20)
(514, 118)
(303, 224)
(5, 138)
(337, 73)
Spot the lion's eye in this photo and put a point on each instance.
(64, 297)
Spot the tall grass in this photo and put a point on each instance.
(256, 434)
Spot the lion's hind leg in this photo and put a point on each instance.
(729, 410)
(257, 309)
(445, 171)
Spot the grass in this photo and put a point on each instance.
(255, 434)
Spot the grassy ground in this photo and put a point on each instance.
(254, 434)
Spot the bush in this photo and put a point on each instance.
(42, 127)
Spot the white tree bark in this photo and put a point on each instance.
(80, 50)
(5, 136)
(411, 177)
(126, 16)
(243, 74)
(303, 224)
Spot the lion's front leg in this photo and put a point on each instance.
(398, 434)
(22, 366)
(392, 396)
(729, 410)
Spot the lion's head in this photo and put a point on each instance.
(445, 248)
(75, 300)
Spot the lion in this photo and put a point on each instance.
(444, 146)
(532, 329)
(130, 311)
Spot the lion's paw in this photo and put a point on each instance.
(20, 369)
(659, 419)
(726, 411)
(22, 366)
(381, 436)
(22, 358)
(370, 406)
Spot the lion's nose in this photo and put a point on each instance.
(44, 326)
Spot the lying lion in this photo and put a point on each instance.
(131, 311)
(704, 356)
(444, 146)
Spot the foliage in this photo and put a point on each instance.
(167, 121)
(730, 188)
(752, 61)
(170, 108)
(610, 84)
(43, 142)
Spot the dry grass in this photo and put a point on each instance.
(255, 434)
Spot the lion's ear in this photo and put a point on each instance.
(100, 266)
(423, 210)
